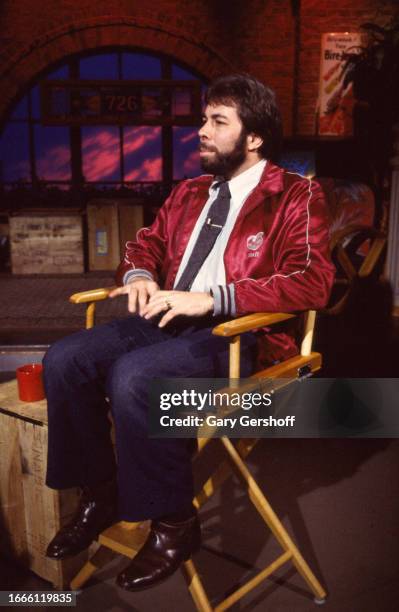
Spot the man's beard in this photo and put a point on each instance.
(224, 164)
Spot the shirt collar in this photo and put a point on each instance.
(245, 181)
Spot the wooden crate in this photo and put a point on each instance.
(46, 242)
(31, 513)
(102, 221)
(111, 223)
(131, 219)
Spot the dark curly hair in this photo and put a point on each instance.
(256, 106)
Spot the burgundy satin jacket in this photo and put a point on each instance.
(277, 257)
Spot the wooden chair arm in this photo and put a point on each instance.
(250, 322)
(93, 295)
(227, 329)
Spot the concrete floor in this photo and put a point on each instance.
(338, 498)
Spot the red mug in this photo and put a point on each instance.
(30, 382)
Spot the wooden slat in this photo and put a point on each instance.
(289, 368)
(254, 582)
(10, 401)
(93, 295)
(101, 557)
(13, 540)
(306, 345)
(125, 538)
(222, 472)
(234, 358)
(46, 243)
(103, 231)
(271, 519)
(250, 322)
(195, 587)
(131, 219)
(31, 512)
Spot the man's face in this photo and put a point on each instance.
(223, 141)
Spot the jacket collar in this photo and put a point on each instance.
(271, 182)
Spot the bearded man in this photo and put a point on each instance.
(245, 237)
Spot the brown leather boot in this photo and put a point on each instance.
(97, 510)
(167, 546)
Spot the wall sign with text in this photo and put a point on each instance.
(335, 101)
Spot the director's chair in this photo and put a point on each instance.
(127, 538)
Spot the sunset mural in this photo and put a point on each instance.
(53, 153)
(142, 147)
(101, 147)
(101, 155)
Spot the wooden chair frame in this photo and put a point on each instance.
(127, 538)
(339, 243)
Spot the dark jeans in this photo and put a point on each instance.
(116, 361)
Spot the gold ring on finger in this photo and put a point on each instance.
(168, 304)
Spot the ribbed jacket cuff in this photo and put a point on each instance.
(131, 274)
(224, 300)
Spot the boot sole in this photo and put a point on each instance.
(196, 547)
(69, 555)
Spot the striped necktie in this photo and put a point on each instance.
(211, 229)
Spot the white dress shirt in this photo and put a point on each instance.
(212, 271)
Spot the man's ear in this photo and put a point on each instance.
(254, 142)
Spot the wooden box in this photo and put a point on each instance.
(111, 223)
(103, 227)
(131, 219)
(30, 512)
(46, 242)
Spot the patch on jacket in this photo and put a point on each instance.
(255, 241)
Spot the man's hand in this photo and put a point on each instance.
(191, 304)
(139, 291)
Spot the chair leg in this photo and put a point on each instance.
(195, 587)
(251, 584)
(101, 557)
(271, 519)
(244, 447)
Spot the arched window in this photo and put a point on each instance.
(82, 159)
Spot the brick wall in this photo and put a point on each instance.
(211, 37)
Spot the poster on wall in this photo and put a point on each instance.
(335, 101)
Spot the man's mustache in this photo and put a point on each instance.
(202, 147)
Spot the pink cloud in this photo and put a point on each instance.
(101, 152)
(99, 164)
(189, 137)
(135, 138)
(54, 165)
(101, 156)
(150, 170)
(99, 139)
